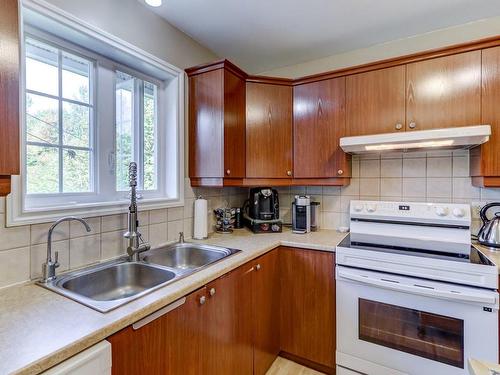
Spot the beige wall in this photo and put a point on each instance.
(135, 23)
(453, 35)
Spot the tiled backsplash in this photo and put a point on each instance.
(23, 249)
(440, 176)
(436, 177)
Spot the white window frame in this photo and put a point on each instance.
(171, 146)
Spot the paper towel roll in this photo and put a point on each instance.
(200, 231)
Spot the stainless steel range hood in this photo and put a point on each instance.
(419, 140)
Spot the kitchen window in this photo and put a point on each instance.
(91, 106)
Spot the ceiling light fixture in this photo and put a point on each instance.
(154, 3)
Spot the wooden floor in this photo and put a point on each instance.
(282, 366)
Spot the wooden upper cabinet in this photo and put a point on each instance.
(269, 130)
(216, 123)
(444, 92)
(9, 94)
(485, 160)
(375, 101)
(318, 124)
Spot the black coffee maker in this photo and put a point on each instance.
(262, 210)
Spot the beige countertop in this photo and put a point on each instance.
(482, 368)
(39, 328)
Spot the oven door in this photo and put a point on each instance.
(393, 325)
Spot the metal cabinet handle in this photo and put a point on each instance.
(399, 126)
(289, 173)
(228, 171)
(212, 292)
(412, 125)
(203, 299)
(258, 267)
(340, 172)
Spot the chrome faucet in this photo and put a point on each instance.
(49, 267)
(136, 244)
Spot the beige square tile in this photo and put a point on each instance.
(351, 189)
(113, 244)
(414, 154)
(462, 188)
(414, 167)
(39, 232)
(77, 229)
(414, 187)
(439, 187)
(39, 257)
(144, 231)
(369, 168)
(439, 167)
(13, 237)
(112, 223)
(391, 167)
(355, 168)
(143, 217)
(188, 208)
(158, 216)
(369, 186)
(439, 153)
(2, 205)
(314, 190)
(332, 190)
(391, 187)
(345, 202)
(174, 227)
(158, 234)
(14, 266)
(331, 203)
(331, 220)
(460, 166)
(490, 194)
(177, 213)
(84, 250)
(298, 190)
(188, 228)
(188, 190)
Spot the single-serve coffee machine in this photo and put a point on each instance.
(262, 211)
(305, 214)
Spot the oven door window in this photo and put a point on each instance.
(436, 337)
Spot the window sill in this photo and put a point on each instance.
(16, 217)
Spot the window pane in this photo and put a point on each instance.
(124, 128)
(42, 115)
(76, 125)
(150, 100)
(76, 171)
(42, 63)
(42, 165)
(75, 78)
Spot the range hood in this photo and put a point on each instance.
(419, 140)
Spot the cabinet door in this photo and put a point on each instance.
(375, 101)
(269, 130)
(227, 324)
(234, 126)
(444, 92)
(308, 305)
(484, 159)
(160, 347)
(318, 124)
(206, 116)
(266, 311)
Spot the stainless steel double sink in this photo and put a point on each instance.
(109, 285)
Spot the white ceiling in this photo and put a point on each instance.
(259, 35)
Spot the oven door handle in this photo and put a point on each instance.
(474, 297)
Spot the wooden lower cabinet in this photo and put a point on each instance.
(308, 307)
(232, 325)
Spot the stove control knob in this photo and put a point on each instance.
(458, 212)
(358, 207)
(371, 208)
(442, 211)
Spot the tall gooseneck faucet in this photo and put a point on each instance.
(136, 244)
(49, 267)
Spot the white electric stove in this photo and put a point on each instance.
(413, 296)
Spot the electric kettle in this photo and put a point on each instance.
(489, 234)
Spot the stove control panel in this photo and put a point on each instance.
(412, 211)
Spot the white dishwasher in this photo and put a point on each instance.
(95, 360)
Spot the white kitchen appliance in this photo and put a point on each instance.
(418, 140)
(413, 296)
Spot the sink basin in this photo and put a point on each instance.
(107, 286)
(119, 281)
(186, 256)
